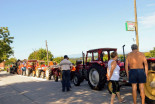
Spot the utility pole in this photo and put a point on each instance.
(136, 25)
(47, 53)
(35, 53)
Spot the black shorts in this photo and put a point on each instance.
(115, 86)
(137, 76)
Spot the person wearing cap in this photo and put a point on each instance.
(66, 66)
(138, 72)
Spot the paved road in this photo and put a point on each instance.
(16, 89)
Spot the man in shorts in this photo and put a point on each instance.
(137, 73)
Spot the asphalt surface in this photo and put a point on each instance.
(17, 89)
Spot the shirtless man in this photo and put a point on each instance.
(137, 73)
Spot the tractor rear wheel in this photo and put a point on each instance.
(14, 70)
(48, 74)
(150, 88)
(33, 73)
(38, 73)
(27, 72)
(60, 76)
(97, 77)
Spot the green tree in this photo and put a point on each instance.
(152, 52)
(5, 41)
(147, 54)
(58, 59)
(10, 61)
(72, 60)
(41, 54)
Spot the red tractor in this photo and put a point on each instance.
(21, 70)
(30, 67)
(40, 69)
(94, 68)
(14, 67)
(53, 70)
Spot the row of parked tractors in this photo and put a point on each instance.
(36, 68)
(92, 69)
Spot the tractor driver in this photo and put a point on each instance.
(101, 56)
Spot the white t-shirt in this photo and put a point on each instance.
(115, 76)
(65, 64)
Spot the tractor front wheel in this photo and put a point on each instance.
(27, 72)
(55, 77)
(77, 79)
(33, 73)
(42, 74)
(24, 73)
(38, 73)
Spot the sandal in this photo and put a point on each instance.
(123, 101)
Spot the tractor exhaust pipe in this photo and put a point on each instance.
(83, 59)
(83, 64)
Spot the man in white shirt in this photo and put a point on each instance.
(66, 66)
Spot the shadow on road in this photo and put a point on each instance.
(49, 92)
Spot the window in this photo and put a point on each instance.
(104, 56)
(95, 56)
(89, 57)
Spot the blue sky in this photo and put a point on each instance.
(73, 26)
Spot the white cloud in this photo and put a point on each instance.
(148, 21)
